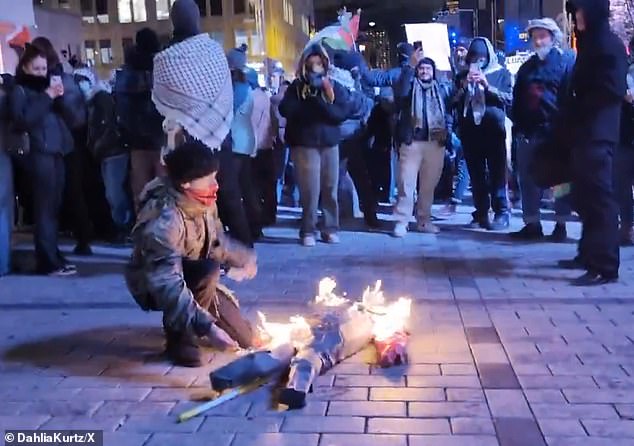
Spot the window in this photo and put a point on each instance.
(126, 42)
(64, 4)
(239, 6)
(256, 46)
(101, 7)
(241, 38)
(219, 37)
(163, 9)
(105, 52)
(216, 7)
(90, 51)
(202, 5)
(131, 9)
(251, 9)
(288, 12)
(305, 25)
(87, 13)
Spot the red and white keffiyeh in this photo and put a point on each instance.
(192, 86)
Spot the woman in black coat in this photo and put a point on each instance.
(598, 86)
(36, 107)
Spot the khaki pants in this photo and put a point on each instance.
(145, 165)
(422, 160)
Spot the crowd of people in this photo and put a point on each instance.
(78, 152)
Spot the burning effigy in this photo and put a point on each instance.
(308, 346)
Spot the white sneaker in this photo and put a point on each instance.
(332, 239)
(309, 241)
(400, 230)
(63, 272)
(428, 228)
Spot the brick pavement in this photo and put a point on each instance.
(503, 351)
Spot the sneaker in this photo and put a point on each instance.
(309, 241)
(331, 239)
(560, 234)
(428, 228)
(532, 231)
(64, 271)
(400, 230)
(476, 223)
(500, 222)
(595, 279)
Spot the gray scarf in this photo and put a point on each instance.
(434, 111)
(476, 101)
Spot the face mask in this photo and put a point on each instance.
(85, 88)
(543, 51)
(317, 69)
(206, 197)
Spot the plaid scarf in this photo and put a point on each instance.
(192, 86)
(434, 113)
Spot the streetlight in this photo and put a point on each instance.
(372, 24)
(362, 48)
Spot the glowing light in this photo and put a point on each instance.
(327, 296)
(296, 331)
(372, 24)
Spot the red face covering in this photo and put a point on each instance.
(207, 197)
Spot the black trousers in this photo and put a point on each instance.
(485, 153)
(352, 154)
(76, 209)
(597, 207)
(47, 175)
(232, 212)
(266, 175)
(201, 277)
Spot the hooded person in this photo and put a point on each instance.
(598, 87)
(484, 95)
(459, 55)
(179, 246)
(315, 107)
(422, 130)
(539, 97)
(105, 145)
(140, 123)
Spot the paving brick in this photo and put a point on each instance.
(96, 394)
(482, 335)
(448, 409)
(9, 408)
(185, 439)
(531, 369)
(369, 381)
(561, 428)
(453, 440)
(600, 396)
(605, 382)
(625, 410)
(127, 439)
(444, 381)
(84, 423)
(339, 394)
(351, 369)
(458, 369)
(610, 428)
(409, 426)
(54, 394)
(475, 426)
(61, 408)
(475, 395)
(265, 408)
(587, 441)
(276, 439)
(151, 424)
(361, 440)
(507, 403)
(497, 376)
(518, 432)
(406, 394)
(224, 424)
(175, 394)
(544, 396)
(116, 408)
(22, 422)
(367, 408)
(325, 425)
(597, 411)
(557, 382)
(409, 369)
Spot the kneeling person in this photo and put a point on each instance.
(179, 246)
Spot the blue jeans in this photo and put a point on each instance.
(7, 202)
(531, 193)
(462, 173)
(624, 177)
(114, 171)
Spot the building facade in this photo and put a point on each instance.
(376, 48)
(278, 29)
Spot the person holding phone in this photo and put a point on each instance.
(484, 94)
(36, 108)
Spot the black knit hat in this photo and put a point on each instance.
(185, 16)
(147, 41)
(190, 161)
(428, 61)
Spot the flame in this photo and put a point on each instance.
(373, 298)
(391, 319)
(296, 331)
(327, 296)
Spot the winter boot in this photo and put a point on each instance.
(182, 349)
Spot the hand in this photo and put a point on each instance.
(219, 339)
(629, 98)
(479, 78)
(247, 272)
(329, 91)
(416, 57)
(54, 92)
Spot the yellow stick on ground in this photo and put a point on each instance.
(226, 396)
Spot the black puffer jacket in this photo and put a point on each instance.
(140, 124)
(75, 108)
(33, 111)
(599, 77)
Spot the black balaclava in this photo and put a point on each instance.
(185, 16)
(477, 50)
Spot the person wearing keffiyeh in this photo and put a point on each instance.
(421, 134)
